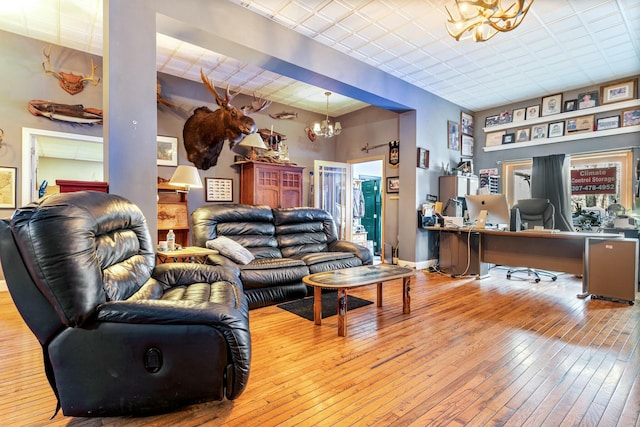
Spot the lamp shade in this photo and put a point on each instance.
(186, 176)
(253, 140)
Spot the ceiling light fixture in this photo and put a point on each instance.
(325, 128)
(485, 18)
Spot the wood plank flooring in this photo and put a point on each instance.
(491, 352)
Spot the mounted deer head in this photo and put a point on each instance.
(258, 104)
(205, 131)
(71, 83)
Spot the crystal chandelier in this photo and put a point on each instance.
(325, 128)
(486, 18)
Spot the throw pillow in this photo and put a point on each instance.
(231, 249)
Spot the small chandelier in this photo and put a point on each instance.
(486, 18)
(325, 128)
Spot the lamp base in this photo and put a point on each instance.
(253, 155)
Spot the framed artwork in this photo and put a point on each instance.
(492, 121)
(519, 115)
(538, 132)
(8, 187)
(631, 117)
(505, 117)
(423, 158)
(522, 135)
(555, 129)
(605, 123)
(620, 91)
(167, 154)
(466, 145)
(393, 184)
(533, 112)
(580, 124)
(508, 138)
(587, 100)
(551, 104)
(570, 105)
(493, 138)
(466, 123)
(453, 135)
(218, 189)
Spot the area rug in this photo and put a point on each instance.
(304, 307)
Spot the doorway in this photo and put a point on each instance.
(47, 155)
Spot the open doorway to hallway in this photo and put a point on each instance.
(368, 212)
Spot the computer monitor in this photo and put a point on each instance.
(495, 205)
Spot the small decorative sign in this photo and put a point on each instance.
(394, 154)
(218, 189)
(593, 181)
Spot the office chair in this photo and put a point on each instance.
(533, 212)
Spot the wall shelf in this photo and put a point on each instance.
(618, 106)
(563, 116)
(574, 137)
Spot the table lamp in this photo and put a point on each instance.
(186, 176)
(254, 141)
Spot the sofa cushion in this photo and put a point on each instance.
(231, 249)
(267, 272)
(315, 258)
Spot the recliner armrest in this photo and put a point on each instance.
(360, 251)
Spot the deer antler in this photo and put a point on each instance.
(48, 62)
(258, 104)
(92, 78)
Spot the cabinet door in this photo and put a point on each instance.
(290, 188)
(267, 187)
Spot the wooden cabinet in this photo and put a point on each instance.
(173, 213)
(271, 184)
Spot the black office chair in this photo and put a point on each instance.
(532, 212)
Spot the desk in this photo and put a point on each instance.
(563, 251)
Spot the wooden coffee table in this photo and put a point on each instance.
(347, 278)
(187, 254)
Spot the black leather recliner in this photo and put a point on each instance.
(119, 334)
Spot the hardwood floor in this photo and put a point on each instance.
(492, 352)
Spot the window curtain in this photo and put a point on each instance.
(550, 179)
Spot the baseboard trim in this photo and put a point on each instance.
(3, 286)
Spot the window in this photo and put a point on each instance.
(594, 198)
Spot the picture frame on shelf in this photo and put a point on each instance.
(604, 123)
(580, 124)
(631, 117)
(551, 104)
(423, 158)
(167, 151)
(493, 139)
(588, 100)
(539, 132)
(619, 91)
(218, 189)
(466, 145)
(8, 187)
(466, 123)
(556, 129)
(523, 134)
(519, 115)
(393, 184)
(453, 135)
(533, 112)
(505, 117)
(570, 105)
(509, 138)
(492, 120)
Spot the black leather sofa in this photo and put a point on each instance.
(286, 244)
(119, 334)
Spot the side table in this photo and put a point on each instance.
(186, 254)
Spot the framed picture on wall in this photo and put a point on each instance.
(167, 154)
(423, 158)
(218, 189)
(494, 138)
(580, 124)
(466, 123)
(522, 134)
(8, 187)
(620, 91)
(466, 145)
(551, 104)
(393, 184)
(453, 135)
(519, 115)
(570, 105)
(587, 100)
(556, 129)
(605, 123)
(538, 132)
(631, 117)
(533, 112)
